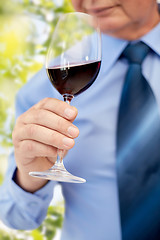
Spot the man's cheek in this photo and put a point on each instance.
(77, 4)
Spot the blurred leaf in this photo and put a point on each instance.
(6, 236)
(1, 178)
(9, 7)
(36, 235)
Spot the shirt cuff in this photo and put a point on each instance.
(32, 202)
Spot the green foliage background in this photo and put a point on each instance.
(22, 50)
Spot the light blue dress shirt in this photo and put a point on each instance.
(92, 210)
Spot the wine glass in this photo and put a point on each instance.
(73, 61)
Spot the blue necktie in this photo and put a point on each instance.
(138, 151)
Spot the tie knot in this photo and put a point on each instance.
(135, 53)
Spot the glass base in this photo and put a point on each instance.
(58, 173)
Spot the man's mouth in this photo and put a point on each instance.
(100, 11)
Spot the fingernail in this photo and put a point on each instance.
(69, 113)
(68, 142)
(73, 131)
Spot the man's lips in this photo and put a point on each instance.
(100, 10)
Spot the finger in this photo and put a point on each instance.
(36, 149)
(57, 106)
(50, 120)
(44, 135)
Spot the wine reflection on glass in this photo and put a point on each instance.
(73, 62)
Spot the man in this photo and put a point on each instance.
(45, 124)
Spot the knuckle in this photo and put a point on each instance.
(39, 115)
(44, 102)
(51, 151)
(30, 130)
(41, 103)
(27, 146)
(53, 137)
(60, 123)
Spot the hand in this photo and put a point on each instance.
(38, 133)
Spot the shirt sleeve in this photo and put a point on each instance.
(20, 209)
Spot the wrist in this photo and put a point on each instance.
(28, 183)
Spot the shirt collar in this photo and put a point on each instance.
(113, 47)
(111, 50)
(152, 39)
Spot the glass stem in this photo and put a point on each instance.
(60, 152)
(67, 98)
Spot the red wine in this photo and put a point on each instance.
(73, 79)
